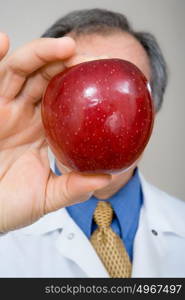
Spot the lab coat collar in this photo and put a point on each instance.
(159, 208)
(71, 242)
(53, 221)
(157, 205)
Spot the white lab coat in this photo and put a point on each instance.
(55, 246)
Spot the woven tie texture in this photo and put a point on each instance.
(108, 244)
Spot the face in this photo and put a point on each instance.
(115, 45)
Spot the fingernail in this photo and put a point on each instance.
(90, 194)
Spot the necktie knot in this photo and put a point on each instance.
(103, 214)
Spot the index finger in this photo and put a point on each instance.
(4, 44)
(80, 58)
(29, 58)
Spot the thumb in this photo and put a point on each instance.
(72, 188)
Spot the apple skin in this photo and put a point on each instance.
(98, 115)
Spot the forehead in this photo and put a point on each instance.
(117, 45)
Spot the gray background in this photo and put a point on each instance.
(163, 163)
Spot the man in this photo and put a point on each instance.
(60, 242)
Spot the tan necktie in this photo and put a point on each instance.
(108, 244)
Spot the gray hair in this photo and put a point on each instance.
(105, 22)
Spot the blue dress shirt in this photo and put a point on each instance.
(126, 204)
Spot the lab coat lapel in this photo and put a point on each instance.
(147, 251)
(158, 228)
(73, 244)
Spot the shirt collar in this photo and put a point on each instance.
(82, 213)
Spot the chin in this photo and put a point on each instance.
(117, 182)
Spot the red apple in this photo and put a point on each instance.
(98, 115)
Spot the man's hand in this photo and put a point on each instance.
(28, 188)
